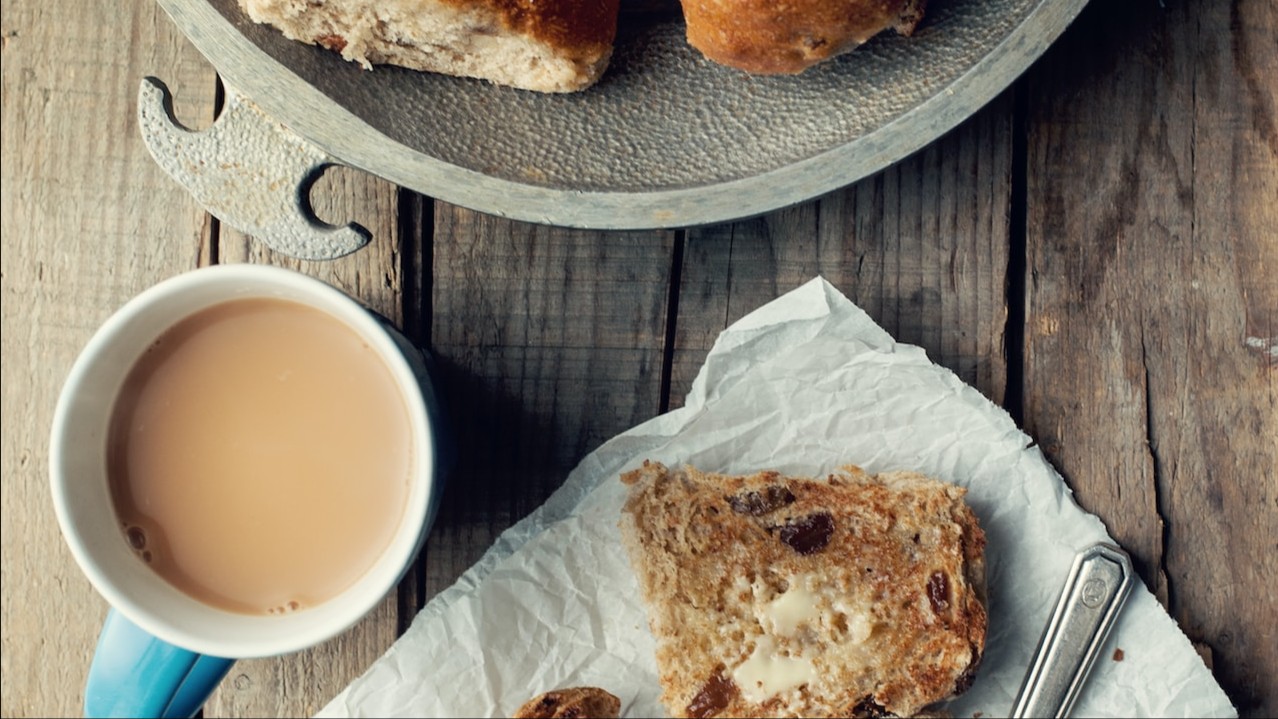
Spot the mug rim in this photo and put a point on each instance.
(338, 613)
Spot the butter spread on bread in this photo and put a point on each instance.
(848, 595)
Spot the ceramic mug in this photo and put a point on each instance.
(162, 651)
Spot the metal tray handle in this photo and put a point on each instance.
(249, 171)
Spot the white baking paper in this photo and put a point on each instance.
(802, 385)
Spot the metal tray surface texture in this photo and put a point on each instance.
(666, 138)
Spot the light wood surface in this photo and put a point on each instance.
(1097, 250)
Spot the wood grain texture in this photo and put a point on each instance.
(88, 220)
(1150, 310)
(922, 247)
(549, 341)
(301, 684)
(1216, 432)
(1150, 363)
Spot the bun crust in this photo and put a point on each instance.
(852, 595)
(565, 45)
(542, 45)
(771, 38)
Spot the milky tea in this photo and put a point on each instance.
(259, 455)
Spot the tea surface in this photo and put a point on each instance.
(259, 456)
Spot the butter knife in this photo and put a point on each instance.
(1094, 594)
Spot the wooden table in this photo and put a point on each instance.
(1096, 250)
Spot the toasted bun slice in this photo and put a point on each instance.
(542, 45)
(771, 38)
(572, 703)
(772, 596)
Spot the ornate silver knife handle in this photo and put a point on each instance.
(1091, 600)
(248, 170)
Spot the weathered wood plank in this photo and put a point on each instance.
(302, 683)
(921, 246)
(549, 342)
(1233, 418)
(88, 221)
(1152, 306)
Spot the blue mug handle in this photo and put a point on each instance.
(137, 675)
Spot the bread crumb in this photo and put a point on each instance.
(1118, 655)
(571, 703)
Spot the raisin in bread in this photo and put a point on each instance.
(852, 595)
(543, 45)
(763, 36)
(573, 703)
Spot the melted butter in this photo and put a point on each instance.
(767, 672)
(809, 601)
(859, 626)
(811, 618)
(784, 614)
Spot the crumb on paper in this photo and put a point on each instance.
(571, 703)
(1118, 655)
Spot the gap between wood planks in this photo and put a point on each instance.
(1017, 260)
(416, 217)
(672, 318)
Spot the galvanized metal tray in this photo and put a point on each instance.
(666, 139)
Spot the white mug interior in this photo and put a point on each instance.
(81, 492)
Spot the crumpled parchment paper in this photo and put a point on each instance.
(802, 385)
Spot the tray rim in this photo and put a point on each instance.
(310, 113)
